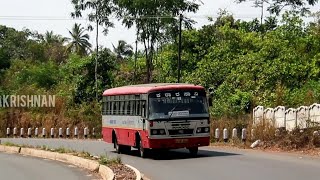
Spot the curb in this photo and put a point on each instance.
(136, 171)
(105, 172)
(10, 149)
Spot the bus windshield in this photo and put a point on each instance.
(178, 104)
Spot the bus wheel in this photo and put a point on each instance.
(126, 149)
(193, 151)
(117, 146)
(142, 150)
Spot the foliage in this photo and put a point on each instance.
(276, 6)
(123, 50)
(152, 21)
(79, 41)
(101, 10)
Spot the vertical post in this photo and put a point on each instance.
(75, 132)
(93, 133)
(52, 133)
(179, 55)
(43, 132)
(68, 132)
(217, 134)
(60, 132)
(85, 133)
(29, 132)
(234, 133)
(21, 132)
(244, 134)
(225, 135)
(14, 132)
(8, 132)
(36, 132)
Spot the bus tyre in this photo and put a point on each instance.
(193, 151)
(117, 146)
(126, 149)
(142, 150)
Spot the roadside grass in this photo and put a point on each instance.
(105, 160)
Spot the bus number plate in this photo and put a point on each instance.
(181, 140)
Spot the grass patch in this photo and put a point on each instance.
(9, 144)
(105, 160)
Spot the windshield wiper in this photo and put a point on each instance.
(174, 108)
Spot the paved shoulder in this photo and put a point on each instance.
(13, 166)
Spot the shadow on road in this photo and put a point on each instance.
(180, 154)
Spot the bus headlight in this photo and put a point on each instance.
(154, 132)
(158, 132)
(203, 130)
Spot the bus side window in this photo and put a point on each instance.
(116, 108)
(105, 108)
(138, 112)
(132, 108)
(127, 106)
(121, 108)
(112, 103)
(143, 108)
(109, 108)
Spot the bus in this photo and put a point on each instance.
(156, 116)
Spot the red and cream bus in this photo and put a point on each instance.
(156, 116)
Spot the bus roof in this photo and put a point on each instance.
(146, 88)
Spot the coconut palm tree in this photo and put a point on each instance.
(51, 38)
(79, 41)
(123, 49)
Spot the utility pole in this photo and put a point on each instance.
(179, 55)
(135, 61)
(97, 52)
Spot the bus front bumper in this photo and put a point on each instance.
(176, 143)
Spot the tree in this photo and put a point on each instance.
(276, 6)
(51, 38)
(79, 42)
(152, 20)
(123, 50)
(102, 9)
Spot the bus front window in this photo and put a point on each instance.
(179, 104)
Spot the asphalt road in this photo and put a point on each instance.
(212, 163)
(18, 167)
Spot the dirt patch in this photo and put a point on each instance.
(122, 172)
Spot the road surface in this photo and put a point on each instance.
(16, 167)
(212, 163)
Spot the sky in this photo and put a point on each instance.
(54, 15)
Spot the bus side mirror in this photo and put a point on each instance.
(210, 102)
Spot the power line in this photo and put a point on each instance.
(60, 18)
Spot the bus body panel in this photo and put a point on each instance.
(127, 137)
